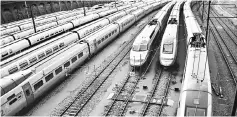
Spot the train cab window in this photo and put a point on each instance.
(168, 48)
(49, 51)
(13, 101)
(80, 55)
(61, 45)
(57, 71)
(41, 55)
(13, 69)
(48, 77)
(172, 21)
(38, 85)
(23, 64)
(55, 48)
(74, 59)
(33, 59)
(67, 64)
(153, 22)
(191, 111)
(139, 47)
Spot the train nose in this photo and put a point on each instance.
(166, 62)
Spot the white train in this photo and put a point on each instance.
(196, 93)
(39, 28)
(16, 47)
(48, 18)
(142, 45)
(16, 96)
(169, 43)
(42, 51)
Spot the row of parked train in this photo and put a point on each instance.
(196, 94)
(43, 50)
(20, 89)
(21, 44)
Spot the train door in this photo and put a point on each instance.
(28, 93)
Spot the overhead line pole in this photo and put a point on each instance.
(32, 16)
(207, 20)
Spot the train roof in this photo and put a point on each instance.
(197, 81)
(145, 34)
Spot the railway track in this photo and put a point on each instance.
(87, 92)
(83, 97)
(221, 38)
(132, 82)
(118, 107)
(224, 56)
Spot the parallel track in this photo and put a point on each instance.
(225, 48)
(75, 107)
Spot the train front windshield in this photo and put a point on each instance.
(139, 48)
(168, 48)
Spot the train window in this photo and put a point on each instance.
(106, 36)
(99, 42)
(10, 97)
(52, 34)
(152, 34)
(67, 64)
(4, 54)
(57, 71)
(41, 55)
(23, 64)
(74, 59)
(33, 59)
(13, 69)
(61, 45)
(168, 48)
(55, 48)
(109, 34)
(115, 30)
(80, 55)
(47, 36)
(48, 77)
(38, 85)
(42, 38)
(11, 102)
(49, 51)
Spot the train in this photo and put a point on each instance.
(25, 59)
(19, 45)
(196, 93)
(141, 47)
(169, 42)
(8, 29)
(16, 96)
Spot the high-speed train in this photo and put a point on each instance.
(40, 28)
(42, 51)
(15, 95)
(16, 47)
(169, 42)
(141, 47)
(63, 15)
(196, 93)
